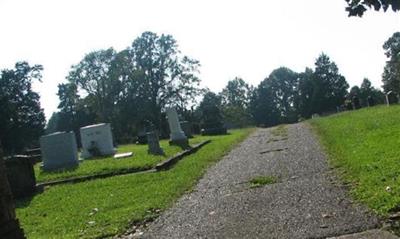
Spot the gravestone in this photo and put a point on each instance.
(356, 103)
(97, 140)
(177, 136)
(187, 128)
(9, 225)
(59, 151)
(20, 175)
(154, 143)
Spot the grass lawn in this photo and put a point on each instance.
(106, 207)
(139, 160)
(365, 147)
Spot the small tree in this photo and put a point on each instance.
(22, 119)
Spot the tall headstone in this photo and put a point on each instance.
(154, 143)
(97, 140)
(9, 225)
(177, 136)
(59, 151)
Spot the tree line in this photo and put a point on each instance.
(131, 89)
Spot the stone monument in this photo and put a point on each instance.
(20, 175)
(154, 143)
(59, 151)
(177, 136)
(9, 225)
(97, 140)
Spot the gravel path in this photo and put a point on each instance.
(307, 201)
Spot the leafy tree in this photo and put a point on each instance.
(210, 111)
(235, 99)
(330, 88)
(22, 119)
(367, 90)
(304, 97)
(262, 107)
(93, 75)
(283, 83)
(391, 73)
(166, 77)
(358, 7)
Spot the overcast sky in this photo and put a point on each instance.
(231, 38)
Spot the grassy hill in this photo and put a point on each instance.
(364, 145)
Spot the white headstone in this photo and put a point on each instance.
(177, 133)
(59, 151)
(98, 136)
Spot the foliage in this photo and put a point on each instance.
(106, 207)
(330, 88)
(358, 7)
(235, 99)
(210, 111)
(363, 145)
(130, 88)
(21, 118)
(391, 73)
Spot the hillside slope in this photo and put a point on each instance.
(364, 145)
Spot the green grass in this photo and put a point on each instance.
(364, 145)
(260, 181)
(106, 207)
(140, 160)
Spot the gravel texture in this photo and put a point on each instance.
(306, 202)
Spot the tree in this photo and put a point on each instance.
(235, 99)
(330, 88)
(93, 75)
(367, 90)
(283, 84)
(304, 97)
(210, 111)
(166, 77)
(358, 7)
(262, 107)
(391, 72)
(22, 119)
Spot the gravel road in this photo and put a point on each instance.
(306, 202)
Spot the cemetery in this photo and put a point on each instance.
(165, 139)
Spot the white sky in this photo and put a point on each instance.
(230, 38)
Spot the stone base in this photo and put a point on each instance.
(183, 143)
(159, 151)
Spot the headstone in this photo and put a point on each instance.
(187, 128)
(154, 144)
(177, 136)
(97, 140)
(59, 151)
(9, 225)
(315, 115)
(20, 175)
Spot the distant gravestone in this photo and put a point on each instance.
(177, 136)
(59, 151)
(187, 128)
(20, 175)
(370, 101)
(97, 140)
(154, 143)
(9, 225)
